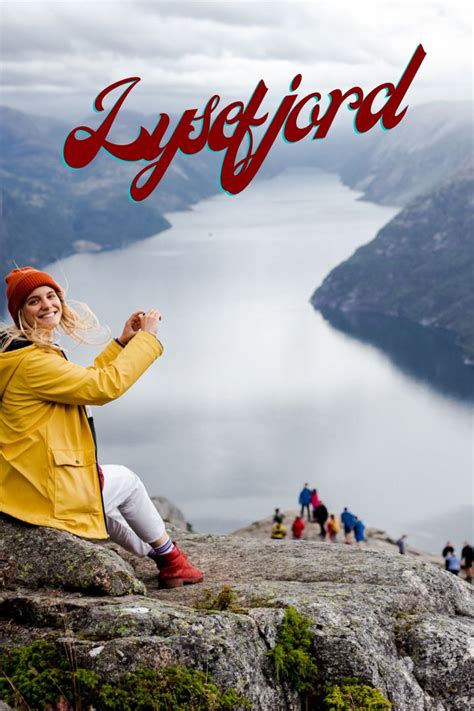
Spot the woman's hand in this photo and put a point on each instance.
(150, 321)
(140, 321)
(131, 327)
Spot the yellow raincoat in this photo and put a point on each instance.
(48, 470)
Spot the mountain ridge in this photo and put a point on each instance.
(420, 266)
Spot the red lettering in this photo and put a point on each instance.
(389, 117)
(337, 97)
(292, 132)
(235, 176)
(159, 168)
(365, 119)
(80, 152)
(217, 139)
(237, 170)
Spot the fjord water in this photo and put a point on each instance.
(256, 393)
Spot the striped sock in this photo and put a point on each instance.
(164, 549)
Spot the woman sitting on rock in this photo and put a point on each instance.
(49, 475)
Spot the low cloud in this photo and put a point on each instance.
(186, 51)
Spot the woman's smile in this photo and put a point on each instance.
(48, 316)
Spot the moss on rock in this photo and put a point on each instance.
(292, 656)
(42, 674)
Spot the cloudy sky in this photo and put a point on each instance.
(57, 55)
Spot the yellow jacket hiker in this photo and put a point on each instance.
(49, 474)
(48, 471)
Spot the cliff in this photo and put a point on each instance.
(395, 624)
(419, 267)
(392, 167)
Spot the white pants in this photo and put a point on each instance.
(132, 519)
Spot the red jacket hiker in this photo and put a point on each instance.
(297, 527)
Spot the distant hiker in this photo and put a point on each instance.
(321, 515)
(401, 544)
(446, 551)
(347, 520)
(332, 527)
(453, 563)
(315, 501)
(359, 531)
(467, 555)
(305, 500)
(278, 530)
(298, 528)
(278, 516)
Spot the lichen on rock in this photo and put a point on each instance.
(39, 556)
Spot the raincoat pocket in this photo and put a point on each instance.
(75, 482)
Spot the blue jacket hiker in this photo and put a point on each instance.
(359, 530)
(348, 520)
(305, 500)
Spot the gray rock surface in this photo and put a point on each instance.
(395, 622)
(375, 538)
(35, 557)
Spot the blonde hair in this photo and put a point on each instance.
(77, 322)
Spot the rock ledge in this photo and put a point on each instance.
(397, 623)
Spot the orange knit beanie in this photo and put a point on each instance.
(21, 282)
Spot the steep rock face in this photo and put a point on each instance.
(429, 144)
(419, 267)
(396, 623)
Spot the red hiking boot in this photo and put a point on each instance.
(175, 570)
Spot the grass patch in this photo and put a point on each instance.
(352, 695)
(264, 601)
(40, 675)
(226, 599)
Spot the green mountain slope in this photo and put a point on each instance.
(420, 266)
